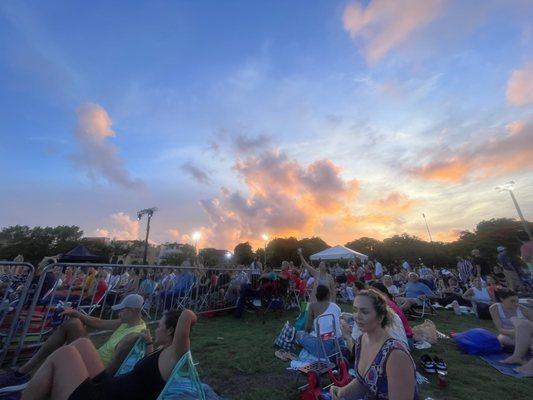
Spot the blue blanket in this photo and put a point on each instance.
(506, 369)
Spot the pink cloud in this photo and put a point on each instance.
(121, 227)
(520, 86)
(96, 155)
(383, 25)
(493, 157)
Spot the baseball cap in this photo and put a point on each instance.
(130, 301)
(500, 249)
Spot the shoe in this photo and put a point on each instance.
(10, 382)
(440, 365)
(427, 364)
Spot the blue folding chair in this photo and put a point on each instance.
(137, 352)
(183, 382)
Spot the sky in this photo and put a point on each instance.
(338, 119)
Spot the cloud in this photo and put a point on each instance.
(96, 155)
(283, 197)
(493, 157)
(393, 203)
(383, 24)
(196, 173)
(244, 143)
(520, 86)
(122, 227)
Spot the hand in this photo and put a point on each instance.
(345, 328)
(190, 315)
(147, 336)
(70, 312)
(334, 392)
(299, 250)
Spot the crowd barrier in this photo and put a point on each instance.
(15, 283)
(58, 285)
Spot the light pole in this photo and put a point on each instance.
(427, 227)
(149, 212)
(265, 238)
(508, 187)
(228, 256)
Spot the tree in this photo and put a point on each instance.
(312, 245)
(243, 253)
(212, 257)
(282, 249)
(36, 243)
(185, 252)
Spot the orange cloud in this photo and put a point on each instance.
(492, 158)
(394, 202)
(95, 155)
(520, 86)
(283, 196)
(450, 235)
(384, 24)
(122, 227)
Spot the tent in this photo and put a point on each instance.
(81, 254)
(337, 253)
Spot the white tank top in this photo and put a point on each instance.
(482, 295)
(506, 321)
(326, 323)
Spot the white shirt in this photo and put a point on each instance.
(378, 269)
(325, 321)
(406, 266)
(393, 289)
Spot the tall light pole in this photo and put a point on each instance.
(427, 227)
(149, 212)
(508, 187)
(265, 238)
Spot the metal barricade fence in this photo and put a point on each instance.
(15, 282)
(95, 288)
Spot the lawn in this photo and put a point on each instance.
(237, 359)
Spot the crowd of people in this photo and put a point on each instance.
(377, 334)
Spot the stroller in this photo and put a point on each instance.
(335, 365)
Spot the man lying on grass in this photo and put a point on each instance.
(127, 329)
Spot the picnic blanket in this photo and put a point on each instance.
(506, 369)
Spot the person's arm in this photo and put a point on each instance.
(308, 266)
(352, 390)
(498, 322)
(92, 322)
(528, 312)
(468, 294)
(400, 376)
(182, 335)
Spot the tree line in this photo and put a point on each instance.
(37, 242)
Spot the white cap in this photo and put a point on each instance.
(500, 249)
(130, 301)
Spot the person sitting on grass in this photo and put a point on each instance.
(383, 366)
(415, 293)
(309, 339)
(480, 298)
(126, 329)
(76, 371)
(514, 323)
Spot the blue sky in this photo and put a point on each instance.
(239, 117)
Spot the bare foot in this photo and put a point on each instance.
(512, 360)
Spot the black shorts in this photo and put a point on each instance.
(91, 389)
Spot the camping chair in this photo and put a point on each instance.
(183, 382)
(426, 308)
(137, 352)
(89, 309)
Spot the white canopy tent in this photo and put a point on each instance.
(337, 253)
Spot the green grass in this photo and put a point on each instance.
(237, 359)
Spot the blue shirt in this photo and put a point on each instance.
(415, 290)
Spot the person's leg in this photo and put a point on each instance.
(67, 332)
(58, 377)
(523, 335)
(90, 356)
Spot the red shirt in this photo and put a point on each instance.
(101, 287)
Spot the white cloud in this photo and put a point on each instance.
(121, 227)
(520, 86)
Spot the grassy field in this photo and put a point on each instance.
(237, 359)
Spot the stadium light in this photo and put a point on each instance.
(265, 238)
(508, 187)
(149, 212)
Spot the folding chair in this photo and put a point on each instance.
(420, 311)
(137, 352)
(183, 381)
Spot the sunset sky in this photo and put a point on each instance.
(339, 119)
